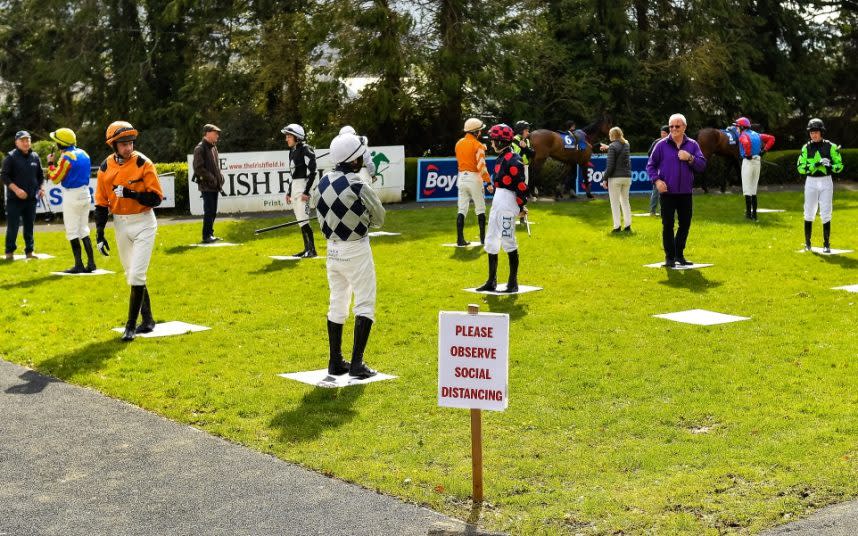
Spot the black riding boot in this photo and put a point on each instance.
(134, 304)
(78, 263)
(460, 230)
(512, 282)
(337, 366)
(147, 325)
(311, 246)
(90, 258)
(306, 245)
(808, 229)
(754, 207)
(481, 220)
(826, 235)
(492, 282)
(748, 207)
(358, 368)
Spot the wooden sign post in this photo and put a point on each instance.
(473, 372)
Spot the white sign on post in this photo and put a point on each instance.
(473, 360)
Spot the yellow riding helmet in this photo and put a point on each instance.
(64, 136)
(120, 131)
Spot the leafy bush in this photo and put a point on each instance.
(181, 170)
(779, 167)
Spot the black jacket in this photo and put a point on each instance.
(25, 170)
(619, 160)
(302, 163)
(207, 173)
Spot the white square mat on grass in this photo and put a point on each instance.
(522, 289)
(215, 245)
(833, 251)
(293, 258)
(166, 329)
(38, 256)
(847, 288)
(679, 266)
(382, 233)
(320, 378)
(97, 271)
(701, 317)
(470, 245)
(764, 210)
(645, 214)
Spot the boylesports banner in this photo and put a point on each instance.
(258, 181)
(437, 178)
(596, 174)
(54, 194)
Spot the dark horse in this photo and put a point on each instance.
(714, 141)
(549, 144)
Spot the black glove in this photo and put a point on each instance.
(101, 242)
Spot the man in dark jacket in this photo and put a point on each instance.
(23, 176)
(209, 179)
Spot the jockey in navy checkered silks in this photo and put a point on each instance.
(347, 208)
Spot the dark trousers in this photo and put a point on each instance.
(674, 245)
(209, 212)
(17, 210)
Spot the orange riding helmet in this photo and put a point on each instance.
(120, 131)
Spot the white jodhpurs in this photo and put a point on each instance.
(750, 175)
(351, 270)
(135, 238)
(818, 192)
(470, 186)
(501, 228)
(76, 212)
(299, 207)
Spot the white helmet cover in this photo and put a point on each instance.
(348, 129)
(294, 129)
(346, 148)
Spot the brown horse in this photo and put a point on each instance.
(549, 144)
(712, 142)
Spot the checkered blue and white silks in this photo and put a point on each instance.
(346, 207)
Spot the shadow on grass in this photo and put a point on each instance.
(693, 280)
(29, 283)
(275, 266)
(506, 304)
(840, 260)
(466, 254)
(178, 249)
(33, 383)
(321, 409)
(82, 360)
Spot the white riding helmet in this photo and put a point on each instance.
(348, 129)
(473, 124)
(346, 148)
(294, 129)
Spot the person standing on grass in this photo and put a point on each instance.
(346, 208)
(507, 206)
(23, 176)
(209, 178)
(752, 145)
(302, 165)
(671, 167)
(522, 146)
(471, 161)
(818, 161)
(128, 187)
(618, 179)
(73, 173)
(653, 198)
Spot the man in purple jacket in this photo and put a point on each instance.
(671, 167)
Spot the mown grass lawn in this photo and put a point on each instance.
(618, 422)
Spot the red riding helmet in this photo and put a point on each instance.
(743, 122)
(501, 132)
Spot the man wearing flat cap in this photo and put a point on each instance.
(23, 176)
(209, 179)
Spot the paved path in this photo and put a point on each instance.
(837, 520)
(74, 462)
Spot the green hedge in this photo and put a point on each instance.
(779, 167)
(181, 170)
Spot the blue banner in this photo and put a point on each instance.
(437, 178)
(640, 180)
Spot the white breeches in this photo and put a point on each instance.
(135, 238)
(618, 193)
(351, 270)
(471, 189)
(501, 228)
(750, 175)
(299, 207)
(76, 212)
(818, 191)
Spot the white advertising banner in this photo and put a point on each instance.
(258, 181)
(54, 194)
(473, 360)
